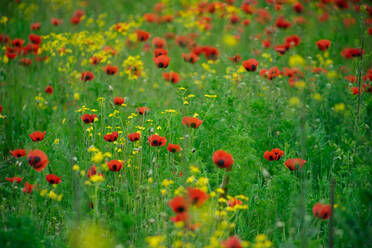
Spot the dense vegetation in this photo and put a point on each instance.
(186, 123)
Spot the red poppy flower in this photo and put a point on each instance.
(174, 148)
(14, 179)
(294, 163)
(210, 53)
(150, 18)
(246, 7)
(223, 159)
(18, 153)
(37, 159)
(142, 35)
(53, 179)
(158, 42)
(160, 51)
(190, 58)
(88, 118)
(323, 44)
(111, 70)
(281, 49)
(56, 22)
(196, 196)
(87, 76)
(232, 242)
(350, 53)
(322, 211)
(351, 78)
(111, 136)
(49, 90)
(142, 110)
(250, 64)
(134, 136)
(234, 19)
(179, 204)
(273, 72)
(282, 23)
(192, 122)
(28, 188)
(1, 108)
(75, 20)
(115, 165)
(35, 39)
(119, 101)
(172, 77)
(162, 61)
(35, 26)
(235, 59)
(292, 40)
(355, 90)
(156, 140)
(275, 154)
(298, 7)
(17, 43)
(11, 55)
(183, 41)
(37, 136)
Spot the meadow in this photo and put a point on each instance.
(184, 123)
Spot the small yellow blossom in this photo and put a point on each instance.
(294, 101)
(97, 178)
(43, 192)
(339, 107)
(52, 195)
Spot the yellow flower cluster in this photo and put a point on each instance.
(52, 195)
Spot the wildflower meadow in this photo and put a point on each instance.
(186, 123)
